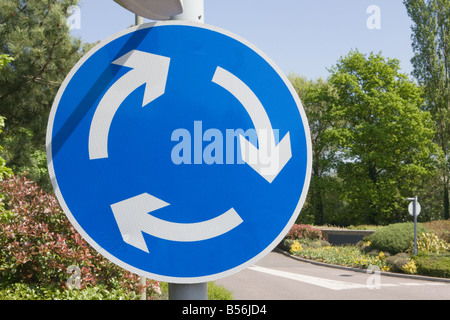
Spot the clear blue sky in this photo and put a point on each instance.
(301, 36)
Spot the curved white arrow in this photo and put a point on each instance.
(269, 159)
(147, 68)
(132, 218)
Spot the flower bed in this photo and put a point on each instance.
(349, 256)
(433, 258)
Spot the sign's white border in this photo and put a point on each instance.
(111, 257)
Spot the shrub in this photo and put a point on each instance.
(286, 244)
(441, 228)
(303, 231)
(394, 238)
(410, 267)
(22, 291)
(434, 265)
(398, 261)
(431, 243)
(38, 244)
(364, 246)
(323, 243)
(218, 292)
(314, 244)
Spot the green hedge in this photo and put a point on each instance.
(22, 291)
(395, 238)
(434, 265)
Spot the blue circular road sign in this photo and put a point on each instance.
(179, 151)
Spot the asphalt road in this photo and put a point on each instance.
(279, 277)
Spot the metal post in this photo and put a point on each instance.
(415, 224)
(138, 20)
(142, 288)
(142, 280)
(196, 291)
(193, 10)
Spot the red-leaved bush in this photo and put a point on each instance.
(38, 243)
(303, 231)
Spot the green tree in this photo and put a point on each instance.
(383, 139)
(35, 34)
(317, 97)
(431, 62)
(4, 60)
(4, 171)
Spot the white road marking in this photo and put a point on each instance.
(332, 284)
(325, 283)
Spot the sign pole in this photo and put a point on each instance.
(142, 280)
(199, 291)
(415, 224)
(414, 210)
(193, 10)
(139, 20)
(195, 291)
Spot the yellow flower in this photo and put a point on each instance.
(385, 268)
(410, 267)
(296, 247)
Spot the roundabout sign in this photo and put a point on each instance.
(179, 151)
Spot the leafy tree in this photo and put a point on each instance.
(35, 34)
(4, 60)
(382, 137)
(317, 97)
(4, 171)
(431, 62)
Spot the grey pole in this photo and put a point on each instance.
(142, 280)
(195, 291)
(143, 289)
(193, 10)
(415, 212)
(415, 224)
(139, 20)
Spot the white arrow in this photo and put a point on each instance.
(132, 218)
(148, 69)
(269, 159)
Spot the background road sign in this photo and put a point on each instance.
(111, 151)
(411, 208)
(153, 9)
